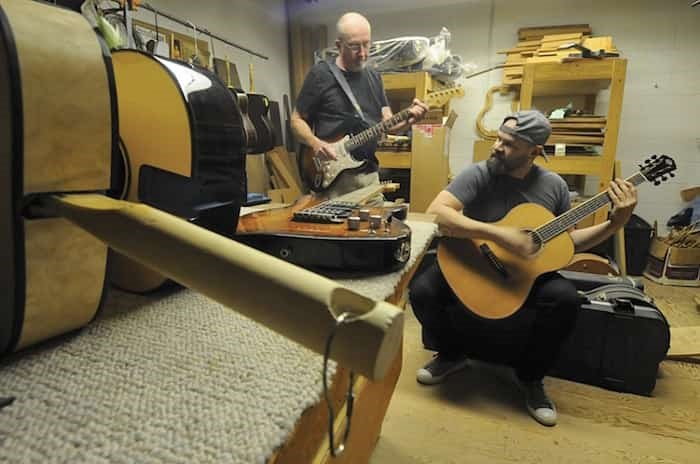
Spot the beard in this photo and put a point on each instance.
(502, 165)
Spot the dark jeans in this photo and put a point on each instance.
(529, 340)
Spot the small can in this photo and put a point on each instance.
(364, 214)
(375, 221)
(353, 223)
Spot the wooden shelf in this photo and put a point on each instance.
(569, 164)
(582, 77)
(586, 78)
(572, 164)
(394, 159)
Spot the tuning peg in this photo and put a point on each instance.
(672, 174)
(664, 178)
(656, 182)
(654, 156)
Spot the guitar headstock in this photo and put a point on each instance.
(440, 97)
(657, 168)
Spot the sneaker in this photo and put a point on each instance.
(439, 368)
(540, 407)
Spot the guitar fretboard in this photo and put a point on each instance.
(567, 220)
(376, 131)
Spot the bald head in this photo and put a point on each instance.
(351, 24)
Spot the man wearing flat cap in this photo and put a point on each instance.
(480, 195)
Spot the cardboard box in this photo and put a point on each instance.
(670, 265)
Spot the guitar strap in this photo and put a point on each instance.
(346, 88)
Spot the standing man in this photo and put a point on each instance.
(323, 109)
(530, 339)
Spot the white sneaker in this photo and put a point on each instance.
(439, 368)
(540, 407)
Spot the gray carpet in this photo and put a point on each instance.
(168, 377)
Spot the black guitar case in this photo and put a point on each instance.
(619, 339)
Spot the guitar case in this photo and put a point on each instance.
(58, 133)
(619, 339)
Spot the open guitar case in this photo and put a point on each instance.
(620, 336)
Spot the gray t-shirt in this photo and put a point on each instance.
(488, 198)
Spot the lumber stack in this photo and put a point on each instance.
(276, 174)
(578, 130)
(547, 43)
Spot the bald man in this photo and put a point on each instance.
(324, 112)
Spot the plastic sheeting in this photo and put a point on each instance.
(413, 53)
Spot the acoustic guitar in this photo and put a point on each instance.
(251, 135)
(319, 174)
(259, 110)
(315, 233)
(185, 138)
(494, 283)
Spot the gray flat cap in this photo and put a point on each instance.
(532, 126)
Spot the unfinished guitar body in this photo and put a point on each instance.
(57, 133)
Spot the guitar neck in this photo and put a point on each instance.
(376, 131)
(569, 219)
(234, 274)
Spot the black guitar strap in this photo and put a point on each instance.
(346, 87)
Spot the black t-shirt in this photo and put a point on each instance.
(328, 110)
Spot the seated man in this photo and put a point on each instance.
(484, 192)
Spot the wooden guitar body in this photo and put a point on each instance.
(185, 139)
(479, 285)
(593, 264)
(57, 134)
(326, 246)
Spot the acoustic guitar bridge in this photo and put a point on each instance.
(493, 260)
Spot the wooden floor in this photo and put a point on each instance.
(478, 416)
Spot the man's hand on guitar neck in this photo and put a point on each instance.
(417, 110)
(624, 198)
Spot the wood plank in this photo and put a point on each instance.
(281, 171)
(685, 341)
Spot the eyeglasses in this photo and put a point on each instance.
(357, 46)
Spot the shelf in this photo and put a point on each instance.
(582, 77)
(394, 159)
(586, 77)
(572, 164)
(568, 164)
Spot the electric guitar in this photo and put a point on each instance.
(320, 174)
(493, 282)
(316, 233)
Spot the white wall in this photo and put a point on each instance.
(258, 25)
(661, 106)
